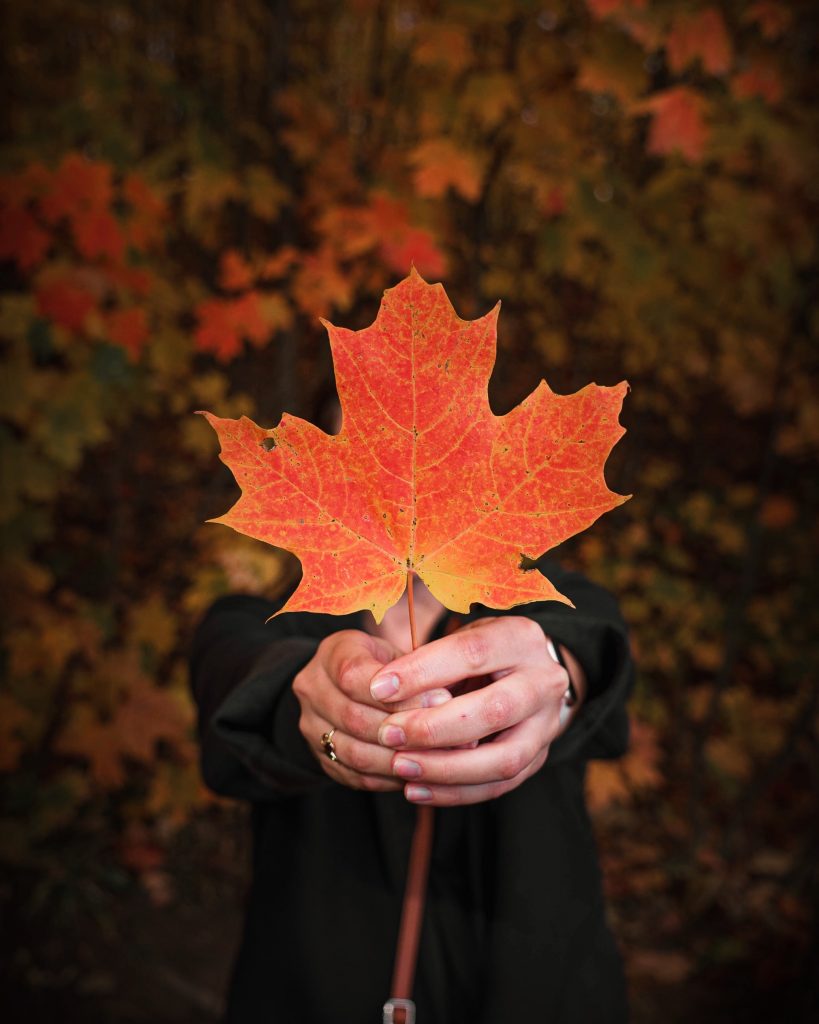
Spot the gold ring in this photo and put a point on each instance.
(327, 745)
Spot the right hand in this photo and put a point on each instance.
(333, 690)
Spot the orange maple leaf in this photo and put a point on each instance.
(760, 79)
(772, 18)
(65, 302)
(235, 273)
(128, 328)
(98, 234)
(677, 123)
(423, 477)
(440, 164)
(22, 239)
(223, 323)
(77, 186)
(699, 36)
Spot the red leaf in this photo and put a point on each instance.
(22, 239)
(760, 79)
(773, 19)
(235, 274)
(96, 234)
(422, 476)
(677, 124)
(78, 185)
(223, 323)
(699, 36)
(65, 303)
(605, 8)
(414, 248)
(128, 328)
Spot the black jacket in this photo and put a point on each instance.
(515, 926)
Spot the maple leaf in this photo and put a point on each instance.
(128, 328)
(422, 476)
(441, 164)
(677, 123)
(235, 274)
(224, 322)
(65, 303)
(22, 239)
(700, 36)
(96, 234)
(760, 79)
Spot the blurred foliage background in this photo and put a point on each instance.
(187, 187)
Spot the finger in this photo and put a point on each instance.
(475, 715)
(458, 796)
(364, 721)
(356, 765)
(491, 646)
(352, 669)
(503, 759)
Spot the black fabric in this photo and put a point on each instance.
(515, 923)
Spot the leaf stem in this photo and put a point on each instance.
(411, 608)
(412, 913)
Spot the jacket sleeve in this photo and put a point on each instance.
(241, 669)
(595, 633)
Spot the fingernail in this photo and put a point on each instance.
(392, 736)
(434, 698)
(405, 768)
(419, 793)
(384, 687)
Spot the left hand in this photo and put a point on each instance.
(501, 731)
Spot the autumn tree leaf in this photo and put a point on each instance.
(441, 164)
(699, 36)
(677, 123)
(423, 476)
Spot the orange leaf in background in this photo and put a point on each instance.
(760, 79)
(128, 328)
(772, 18)
(414, 248)
(224, 323)
(235, 274)
(22, 239)
(65, 303)
(144, 226)
(319, 283)
(279, 263)
(77, 186)
(677, 124)
(699, 36)
(97, 233)
(605, 8)
(441, 164)
(146, 715)
(423, 476)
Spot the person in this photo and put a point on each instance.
(474, 722)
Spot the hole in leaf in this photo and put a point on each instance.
(267, 443)
(527, 564)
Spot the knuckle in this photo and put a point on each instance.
(358, 759)
(512, 764)
(529, 630)
(473, 648)
(497, 710)
(423, 730)
(349, 674)
(352, 719)
(558, 682)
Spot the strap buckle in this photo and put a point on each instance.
(391, 1005)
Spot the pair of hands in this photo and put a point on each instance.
(459, 720)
